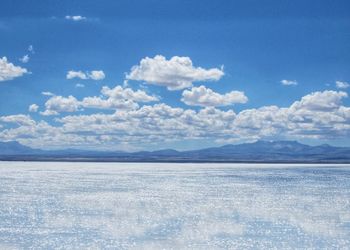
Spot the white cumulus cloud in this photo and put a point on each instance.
(318, 115)
(76, 74)
(33, 108)
(97, 75)
(205, 97)
(118, 98)
(8, 71)
(175, 73)
(57, 104)
(20, 119)
(326, 100)
(115, 98)
(100, 103)
(94, 75)
(342, 85)
(127, 93)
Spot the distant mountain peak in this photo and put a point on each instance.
(14, 147)
(11, 143)
(259, 151)
(279, 142)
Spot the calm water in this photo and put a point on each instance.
(173, 206)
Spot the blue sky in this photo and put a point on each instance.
(179, 74)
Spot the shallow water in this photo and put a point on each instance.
(173, 206)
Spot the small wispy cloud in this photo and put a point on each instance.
(25, 59)
(75, 18)
(342, 85)
(31, 49)
(289, 82)
(47, 93)
(79, 85)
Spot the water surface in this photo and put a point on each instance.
(173, 206)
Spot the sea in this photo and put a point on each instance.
(66, 205)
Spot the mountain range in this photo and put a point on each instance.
(259, 151)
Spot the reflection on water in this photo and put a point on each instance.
(173, 206)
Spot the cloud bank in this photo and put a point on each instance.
(318, 115)
(115, 98)
(136, 118)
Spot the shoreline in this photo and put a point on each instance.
(174, 161)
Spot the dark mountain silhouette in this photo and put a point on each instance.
(260, 151)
